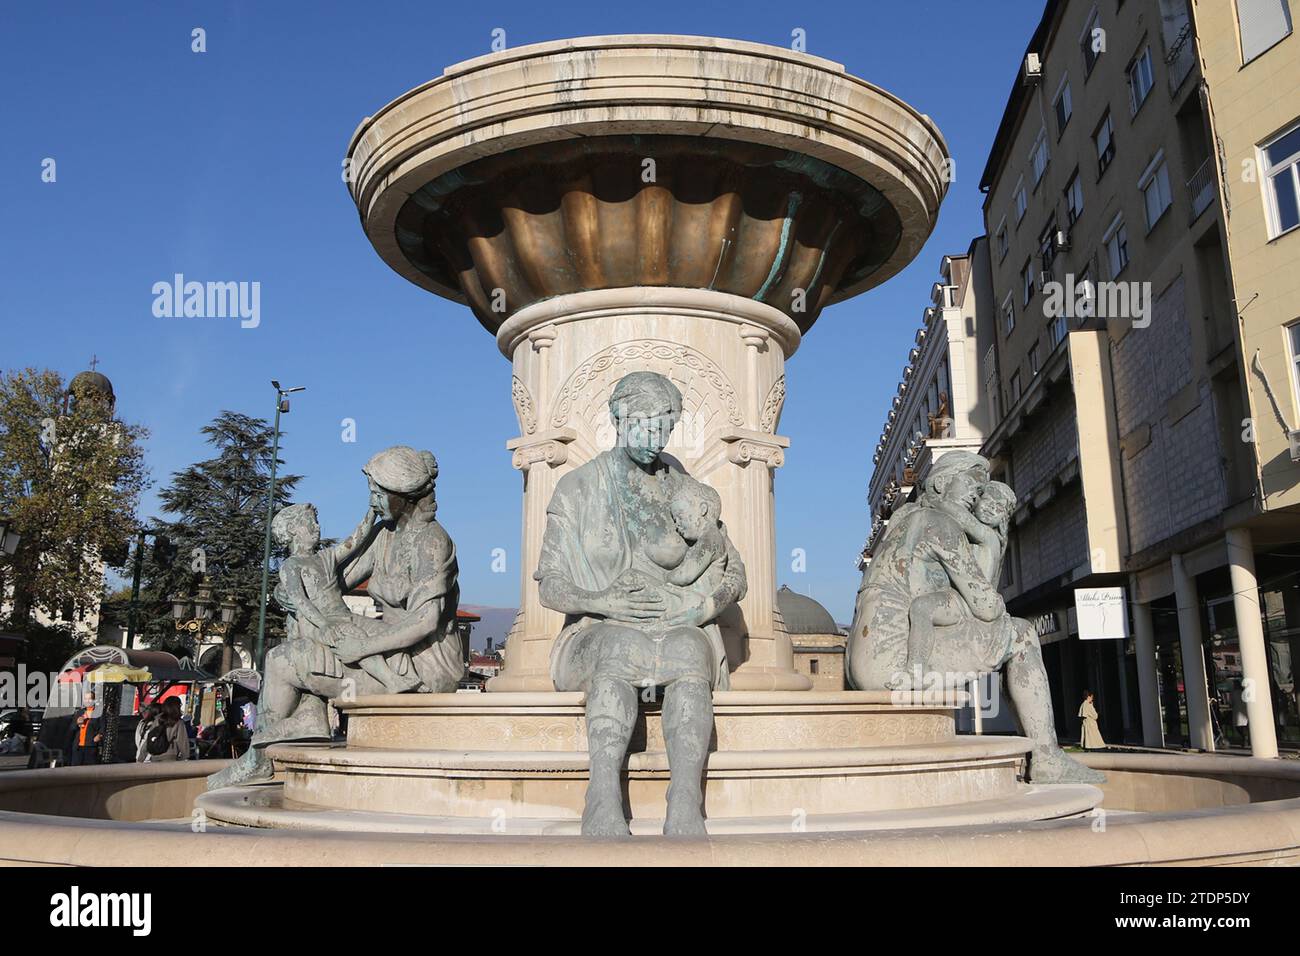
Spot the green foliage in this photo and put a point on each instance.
(71, 476)
(49, 648)
(218, 528)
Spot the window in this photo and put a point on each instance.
(1008, 315)
(1063, 106)
(1038, 156)
(1104, 139)
(1003, 243)
(1015, 387)
(1074, 198)
(1263, 24)
(1047, 247)
(1293, 338)
(1155, 190)
(1281, 161)
(1033, 360)
(1090, 42)
(1020, 200)
(1140, 79)
(1116, 243)
(1027, 282)
(813, 666)
(1056, 330)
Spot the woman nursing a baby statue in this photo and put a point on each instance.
(636, 558)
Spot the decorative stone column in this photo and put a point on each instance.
(1144, 650)
(727, 355)
(685, 205)
(1191, 638)
(1250, 640)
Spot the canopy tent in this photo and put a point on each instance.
(119, 674)
(150, 675)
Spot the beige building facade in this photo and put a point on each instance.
(1129, 414)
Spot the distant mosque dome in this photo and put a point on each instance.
(802, 614)
(94, 387)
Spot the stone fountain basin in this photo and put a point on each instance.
(1155, 808)
(780, 761)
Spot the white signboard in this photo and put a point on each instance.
(1101, 614)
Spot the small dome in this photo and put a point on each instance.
(803, 615)
(92, 385)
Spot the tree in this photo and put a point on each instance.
(218, 531)
(71, 475)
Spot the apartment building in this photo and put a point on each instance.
(1250, 57)
(1117, 375)
(939, 405)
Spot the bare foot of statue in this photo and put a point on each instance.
(308, 723)
(684, 817)
(1055, 766)
(253, 767)
(603, 814)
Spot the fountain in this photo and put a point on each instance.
(686, 206)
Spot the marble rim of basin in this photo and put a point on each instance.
(768, 122)
(1260, 833)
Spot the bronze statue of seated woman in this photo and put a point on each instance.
(636, 558)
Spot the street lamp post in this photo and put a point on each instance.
(193, 617)
(281, 405)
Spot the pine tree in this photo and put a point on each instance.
(218, 531)
(71, 475)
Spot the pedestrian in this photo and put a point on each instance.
(166, 738)
(148, 717)
(1090, 736)
(82, 745)
(1240, 713)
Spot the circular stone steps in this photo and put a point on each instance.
(517, 763)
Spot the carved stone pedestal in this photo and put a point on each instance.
(727, 356)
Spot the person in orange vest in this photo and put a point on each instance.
(85, 735)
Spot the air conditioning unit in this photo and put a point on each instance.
(1061, 239)
(1032, 71)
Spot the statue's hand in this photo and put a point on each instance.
(348, 641)
(694, 613)
(632, 599)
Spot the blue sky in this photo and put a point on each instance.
(226, 166)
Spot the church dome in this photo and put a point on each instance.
(92, 386)
(803, 615)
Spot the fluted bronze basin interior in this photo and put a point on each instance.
(593, 213)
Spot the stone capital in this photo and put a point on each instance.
(542, 337)
(744, 446)
(550, 447)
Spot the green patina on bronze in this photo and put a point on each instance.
(777, 226)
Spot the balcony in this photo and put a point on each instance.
(1200, 188)
(1181, 57)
